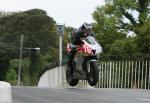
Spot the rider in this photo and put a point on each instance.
(82, 32)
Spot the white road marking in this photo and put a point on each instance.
(144, 99)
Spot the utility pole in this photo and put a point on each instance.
(20, 59)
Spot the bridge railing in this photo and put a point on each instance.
(124, 74)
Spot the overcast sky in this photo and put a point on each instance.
(70, 12)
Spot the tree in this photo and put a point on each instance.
(143, 38)
(11, 77)
(12, 74)
(39, 30)
(106, 29)
(6, 53)
(37, 27)
(121, 47)
(116, 20)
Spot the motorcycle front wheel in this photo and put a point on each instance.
(93, 74)
(69, 77)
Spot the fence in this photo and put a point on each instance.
(124, 74)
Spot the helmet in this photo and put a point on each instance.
(86, 27)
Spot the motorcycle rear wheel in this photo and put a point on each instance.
(94, 74)
(69, 77)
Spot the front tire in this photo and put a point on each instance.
(69, 76)
(93, 74)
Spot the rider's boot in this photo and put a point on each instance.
(71, 57)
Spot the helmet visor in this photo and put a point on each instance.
(87, 31)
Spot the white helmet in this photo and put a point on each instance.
(86, 26)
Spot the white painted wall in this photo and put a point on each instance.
(51, 78)
(5, 92)
(56, 77)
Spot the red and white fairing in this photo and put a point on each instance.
(89, 47)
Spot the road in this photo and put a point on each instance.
(74, 95)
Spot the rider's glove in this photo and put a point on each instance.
(73, 46)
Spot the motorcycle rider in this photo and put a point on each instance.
(82, 32)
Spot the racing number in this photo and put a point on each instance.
(87, 49)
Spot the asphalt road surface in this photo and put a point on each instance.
(74, 95)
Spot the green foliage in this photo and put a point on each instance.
(39, 30)
(106, 28)
(35, 66)
(52, 53)
(11, 77)
(13, 70)
(143, 38)
(114, 21)
(4, 62)
(124, 47)
(25, 77)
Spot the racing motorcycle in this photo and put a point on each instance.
(85, 63)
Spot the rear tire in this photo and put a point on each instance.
(69, 76)
(94, 74)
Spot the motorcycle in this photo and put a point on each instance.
(85, 63)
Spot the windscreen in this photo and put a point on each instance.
(90, 40)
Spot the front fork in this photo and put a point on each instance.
(89, 65)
